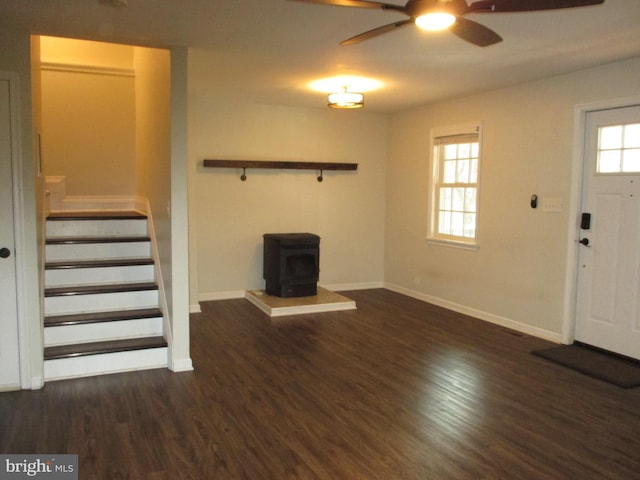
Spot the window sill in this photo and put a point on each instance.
(452, 243)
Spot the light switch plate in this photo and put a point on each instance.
(551, 204)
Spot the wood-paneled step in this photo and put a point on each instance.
(90, 215)
(99, 348)
(112, 262)
(99, 317)
(98, 289)
(80, 240)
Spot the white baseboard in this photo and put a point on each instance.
(195, 308)
(343, 287)
(36, 383)
(181, 365)
(479, 314)
(334, 287)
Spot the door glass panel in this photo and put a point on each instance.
(632, 136)
(619, 149)
(610, 137)
(631, 160)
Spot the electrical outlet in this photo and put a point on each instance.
(551, 204)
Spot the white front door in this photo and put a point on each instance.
(9, 352)
(608, 300)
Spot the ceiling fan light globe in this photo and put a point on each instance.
(435, 21)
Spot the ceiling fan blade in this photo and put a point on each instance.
(488, 6)
(375, 32)
(474, 32)
(356, 4)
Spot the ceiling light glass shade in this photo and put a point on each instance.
(346, 99)
(435, 21)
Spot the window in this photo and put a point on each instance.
(454, 184)
(619, 149)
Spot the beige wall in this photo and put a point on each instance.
(88, 116)
(230, 216)
(518, 273)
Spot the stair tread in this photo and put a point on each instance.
(111, 262)
(98, 288)
(99, 317)
(97, 348)
(97, 239)
(96, 215)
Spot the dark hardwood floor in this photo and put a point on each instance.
(396, 389)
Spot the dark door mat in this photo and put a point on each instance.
(595, 363)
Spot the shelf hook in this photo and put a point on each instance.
(320, 177)
(243, 177)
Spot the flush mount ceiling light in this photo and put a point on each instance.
(345, 99)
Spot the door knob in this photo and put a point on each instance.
(584, 241)
(4, 252)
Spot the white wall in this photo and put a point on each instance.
(230, 216)
(517, 277)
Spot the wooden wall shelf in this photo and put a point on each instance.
(244, 164)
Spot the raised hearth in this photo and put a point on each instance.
(324, 301)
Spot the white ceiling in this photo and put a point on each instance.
(267, 51)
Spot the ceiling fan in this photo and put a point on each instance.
(450, 14)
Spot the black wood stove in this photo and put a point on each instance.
(291, 264)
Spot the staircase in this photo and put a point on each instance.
(101, 301)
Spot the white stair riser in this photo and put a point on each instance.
(72, 228)
(100, 302)
(93, 251)
(88, 365)
(102, 331)
(77, 276)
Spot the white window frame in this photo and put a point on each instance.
(436, 183)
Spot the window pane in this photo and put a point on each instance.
(632, 136)
(449, 174)
(457, 224)
(464, 150)
(470, 200)
(445, 199)
(475, 150)
(609, 161)
(458, 199)
(469, 225)
(450, 151)
(473, 171)
(610, 137)
(444, 224)
(631, 160)
(463, 171)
